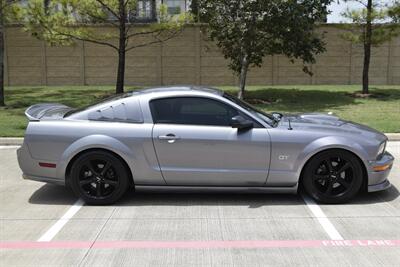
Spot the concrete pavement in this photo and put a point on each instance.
(193, 229)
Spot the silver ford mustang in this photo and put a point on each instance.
(199, 139)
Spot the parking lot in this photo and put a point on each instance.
(46, 225)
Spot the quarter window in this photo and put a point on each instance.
(192, 111)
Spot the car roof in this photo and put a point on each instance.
(172, 89)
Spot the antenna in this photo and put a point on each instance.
(290, 125)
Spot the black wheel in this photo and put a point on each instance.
(99, 178)
(333, 176)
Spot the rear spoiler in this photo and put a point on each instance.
(36, 112)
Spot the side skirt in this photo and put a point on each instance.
(217, 189)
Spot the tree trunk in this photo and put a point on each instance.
(121, 49)
(46, 4)
(367, 49)
(2, 102)
(243, 77)
(121, 72)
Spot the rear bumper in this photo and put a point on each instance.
(33, 171)
(378, 180)
(43, 179)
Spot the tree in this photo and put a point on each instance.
(247, 31)
(194, 9)
(8, 10)
(371, 27)
(46, 4)
(65, 21)
(394, 12)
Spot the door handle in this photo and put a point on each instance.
(171, 138)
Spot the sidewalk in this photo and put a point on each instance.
(17, 141)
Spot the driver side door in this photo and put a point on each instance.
(196, 145)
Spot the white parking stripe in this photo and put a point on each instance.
(52, 232)
(322, 219)
(9, 147)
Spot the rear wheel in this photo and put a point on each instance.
(99, 178)
(333, 176)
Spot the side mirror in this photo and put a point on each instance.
(241, 123)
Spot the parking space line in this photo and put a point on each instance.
(322, 219)
(52, 232)
(9, 147)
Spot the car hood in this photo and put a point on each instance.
(330, 123)
(315, 119)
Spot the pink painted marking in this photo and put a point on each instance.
(199, 244)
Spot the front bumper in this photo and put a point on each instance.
(379, 187)
(377, 180)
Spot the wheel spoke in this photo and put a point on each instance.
(329, 165)
(106, 167)
(92, 169)
(99, 189)
(343, 183)
(344, 167)
(110, 182)
(86, 181)
(329, 187)
(321, 176)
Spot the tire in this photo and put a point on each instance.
(99, 178)
(333, 176)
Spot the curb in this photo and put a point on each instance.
(17, 141)
(393, 136)
(11, 141)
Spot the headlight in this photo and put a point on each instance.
(381, 149)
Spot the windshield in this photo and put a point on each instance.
(268, 118)
(100, 102)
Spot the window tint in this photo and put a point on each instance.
(192, 110)
(118, 112)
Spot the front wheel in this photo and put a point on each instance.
(99, 178)
(333, 176)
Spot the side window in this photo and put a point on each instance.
(192, 111)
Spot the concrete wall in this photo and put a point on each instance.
(186, 59)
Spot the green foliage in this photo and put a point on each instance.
(194, 8)
(257, 28)
(170, 22)
(65, 21)
(195, 11)
(382, 29)
(9, 10)
(394, 12)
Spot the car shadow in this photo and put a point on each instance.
(212, 199)
(59, 195)
(50, 194)
(387, 195)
